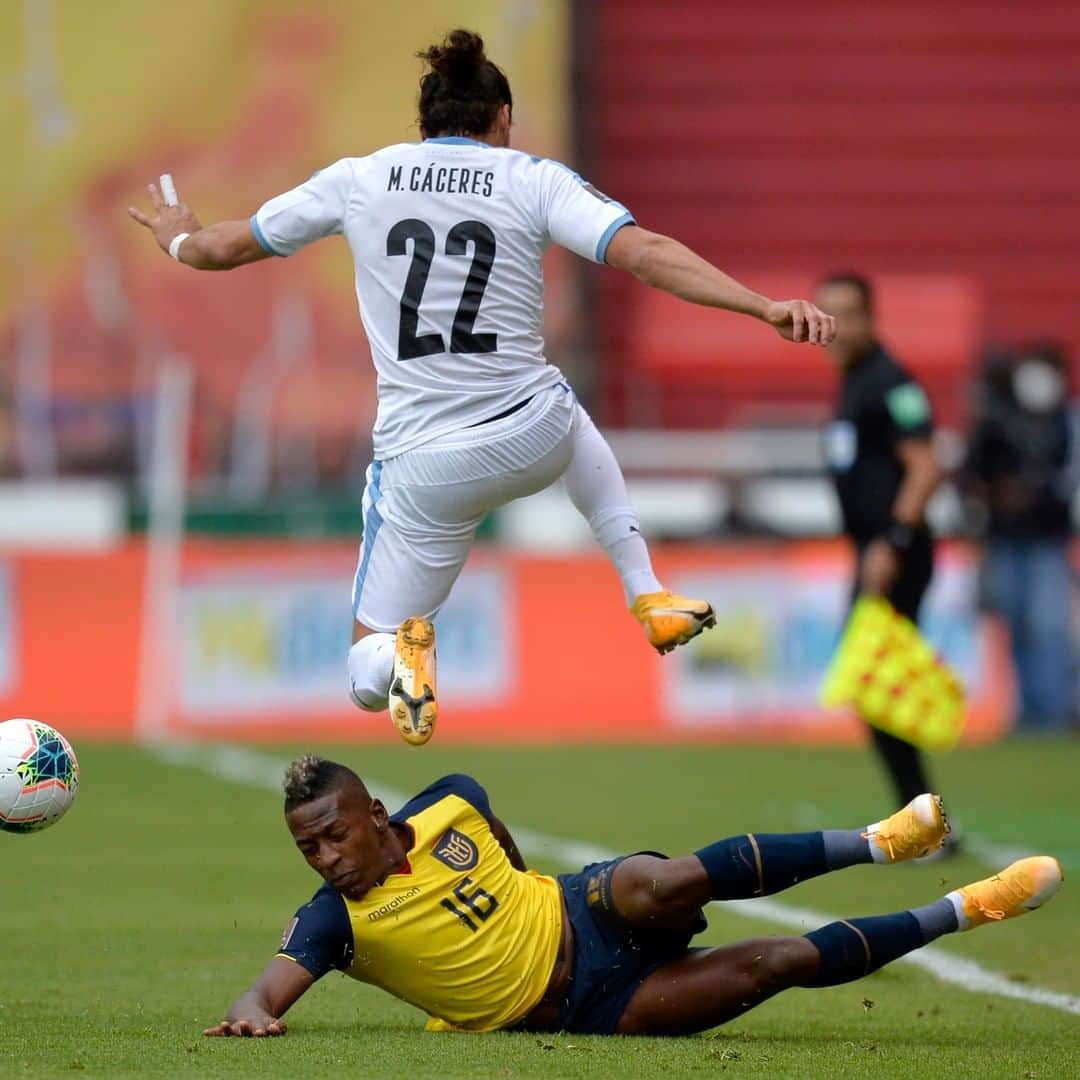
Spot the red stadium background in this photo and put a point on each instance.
(934, 146)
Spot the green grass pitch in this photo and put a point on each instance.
(132, 924)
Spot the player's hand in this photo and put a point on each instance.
(799, 320)
(880, 568)
(166, 222)
(256, 1027)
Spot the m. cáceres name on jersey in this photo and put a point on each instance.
(451, 179)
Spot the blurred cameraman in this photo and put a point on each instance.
(880, 454)
(1022, 468)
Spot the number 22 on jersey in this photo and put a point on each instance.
(462, 338)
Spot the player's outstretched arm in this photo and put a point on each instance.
(223, 246)
(666, 264)
(258, 1012)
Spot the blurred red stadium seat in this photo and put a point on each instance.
(743, 373)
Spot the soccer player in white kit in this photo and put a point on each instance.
(448, 235)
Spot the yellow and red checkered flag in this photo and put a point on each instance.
(887, 671)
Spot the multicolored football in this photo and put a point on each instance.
(39, 776)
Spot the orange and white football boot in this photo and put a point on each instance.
(912, 832)
(1022, 887)
(670, 620)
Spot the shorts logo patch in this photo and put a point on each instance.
(593, 893)
(456, 850)
(287, 936)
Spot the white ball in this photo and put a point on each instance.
(39, 776)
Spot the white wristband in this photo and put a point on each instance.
(174, 244)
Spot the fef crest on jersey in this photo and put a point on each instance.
(456, 850)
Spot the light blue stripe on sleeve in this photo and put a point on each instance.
(601, 248)
(260, 236)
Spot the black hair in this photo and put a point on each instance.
(309, 778)
(859, 282)
(464, 90)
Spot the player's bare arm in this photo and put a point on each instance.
(223, 246)
(667, 264)
(257, 1013)
(922, 477)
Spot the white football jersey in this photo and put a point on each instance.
(447, 236)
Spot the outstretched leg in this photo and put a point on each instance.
(649, 891)
(708, 987)
(597, 488)
(420, 519)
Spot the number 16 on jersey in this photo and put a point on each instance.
(475, 905)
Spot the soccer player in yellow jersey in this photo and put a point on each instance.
(435, 905)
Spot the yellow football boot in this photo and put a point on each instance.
(1017, 889)
(912, 832)
(413, 706)
(670, 620)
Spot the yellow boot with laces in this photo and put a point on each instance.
(912, 832)
(1022, 887)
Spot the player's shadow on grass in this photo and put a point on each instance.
(921, 1035)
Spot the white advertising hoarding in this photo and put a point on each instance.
(259, 643)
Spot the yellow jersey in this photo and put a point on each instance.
(456, 931)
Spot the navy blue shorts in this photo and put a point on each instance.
(611, 960)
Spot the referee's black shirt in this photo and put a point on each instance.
(879, 405)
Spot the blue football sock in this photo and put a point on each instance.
(759, 864)
(854, 948)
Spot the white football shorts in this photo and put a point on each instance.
(422, 508)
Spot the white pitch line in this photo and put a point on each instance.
(256, 769)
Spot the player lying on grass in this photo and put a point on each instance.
(448, 237)
(434, 904)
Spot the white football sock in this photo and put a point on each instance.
(596, 487)
(877, 853)
(957, 900)
(371, 667)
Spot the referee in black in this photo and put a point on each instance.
(879, 452)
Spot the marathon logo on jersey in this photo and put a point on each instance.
(456, 850)
(444, 179)
(392, 905)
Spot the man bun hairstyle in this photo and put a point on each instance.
(464, 90)
(310, 777)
